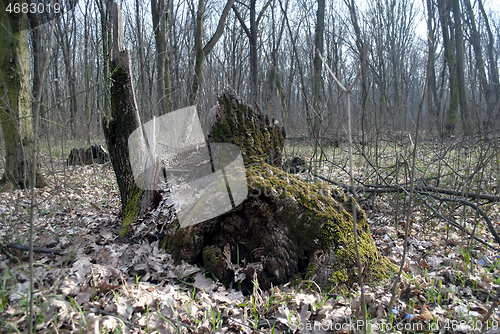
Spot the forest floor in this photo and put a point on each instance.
(103, 284)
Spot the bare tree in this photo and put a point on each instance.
(202, 51)
(252, 34)
(432, 98)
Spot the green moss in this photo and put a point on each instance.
(312, 268)
(324, 218)
(241, 126)
(315, 221)
(212, 256)
(339, 277)
(131, 210)
(213, 261)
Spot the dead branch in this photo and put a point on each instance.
(35, 249)
(380, 189)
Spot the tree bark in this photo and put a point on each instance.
(360, 46)
(16, 109)
(317, 68)
(159, 16)
(432, 99)
(475, 40)
(491, 54)
(449, 50)
(252, 38)
(105, 10)
(459, 44)
(123, 121)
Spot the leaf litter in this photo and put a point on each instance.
(105, 284)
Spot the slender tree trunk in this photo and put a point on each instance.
(16, 108)
(105, 10)
(252, 34)
(201, 51)
(140, 52)
(254, 71)
(491, 54)
(159, 16)
(317, 89)
(459, 44)
(449, 50)
(475, 40)
(431, 72)
(124, 120)
(275, 85)
(360, 46)
(199, 55)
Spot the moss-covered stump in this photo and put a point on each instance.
(287, 229)
(258, 138)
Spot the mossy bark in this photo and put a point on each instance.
(286, 229)
(15, 110)
(119, 126)
(259, 138)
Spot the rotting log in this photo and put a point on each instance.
(286, 229)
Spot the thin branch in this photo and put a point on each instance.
(261, 14)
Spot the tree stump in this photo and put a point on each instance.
(286, 229)
(87, 156)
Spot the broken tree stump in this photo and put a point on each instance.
(286, 229)
(87, 156)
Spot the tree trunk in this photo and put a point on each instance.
(360, 46)
(459, 44)
(432, 99)
(159, 16)
(104, 10)
(199, 55)
(118, 128)
(449, 50)
(491, 54)
(252, 35)
(317, 88)
(141, 67)
(475, 40)
(254, 74)
(15, 110)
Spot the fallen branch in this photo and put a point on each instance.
(35, 249)
(428, 191)
(377, 189)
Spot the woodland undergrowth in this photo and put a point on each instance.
(104, 284)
